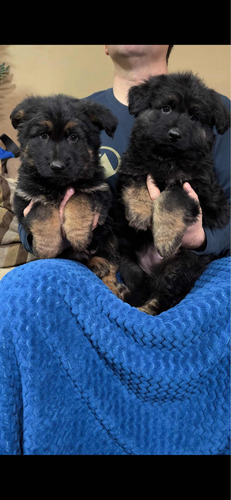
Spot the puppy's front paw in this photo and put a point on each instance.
(173, 212)
(99, 266)
(78, 219)
(138, 207)
(167, 243)
(122, 291)
(150, 307)
(106, 271)
(168, 228)
(44, 224)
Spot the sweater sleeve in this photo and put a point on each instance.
(25, 238)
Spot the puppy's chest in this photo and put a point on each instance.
(41, 190)
(39, 194)
(168, 173)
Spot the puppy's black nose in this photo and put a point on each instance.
(174, 134)
(57, 166)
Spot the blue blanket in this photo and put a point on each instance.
(82, 373)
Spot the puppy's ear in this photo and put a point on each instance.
(140, 96)
(24, 111)
(17, 115)
(100, 116)
(221, 115)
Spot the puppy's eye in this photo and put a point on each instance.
(193, 118)
(166, 109)
(44, 136)
(73, 138)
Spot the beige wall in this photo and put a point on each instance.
(80, 70)
(210, 62)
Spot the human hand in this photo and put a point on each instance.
(28, 208)
(194, 236)
(153, 190)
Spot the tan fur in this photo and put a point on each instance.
(150, 307)
(26, 154)
(78, 218)
(48, 124)
(93, 189)
(138, 207)
(99, 266)
(19, 115)
(106, 271)
(70, 125)
(168, 226)
(47, 237)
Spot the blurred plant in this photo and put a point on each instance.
(4, 72)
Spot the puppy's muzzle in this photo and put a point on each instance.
(174, 134)
(57, 166)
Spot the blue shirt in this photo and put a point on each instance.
(112, 149)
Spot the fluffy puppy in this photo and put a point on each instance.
(60, 139)
(172, 139)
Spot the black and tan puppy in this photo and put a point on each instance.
(60, 139)
(172, 139)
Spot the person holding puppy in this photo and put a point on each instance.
(132, 65)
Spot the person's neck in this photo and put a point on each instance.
(124, 79)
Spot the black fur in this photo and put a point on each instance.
(172, 139)
(60, 139)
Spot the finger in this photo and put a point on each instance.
(28, 208)
(188, 188)
(68, 194)
(190, 191)
(153, 190)
(95, 221)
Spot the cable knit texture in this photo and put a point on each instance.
(82, 373)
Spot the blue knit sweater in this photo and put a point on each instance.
(82, 373)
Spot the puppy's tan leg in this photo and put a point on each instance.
(78, 219)
(46, 230)
(173, 212)
(138, 207)
(106, 271)
(168, 226)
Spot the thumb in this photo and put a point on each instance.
(188, 188)
(153, 190)
(28, 208)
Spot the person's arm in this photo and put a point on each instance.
(217, 242)
(26, 238)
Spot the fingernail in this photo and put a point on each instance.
(187, 186)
